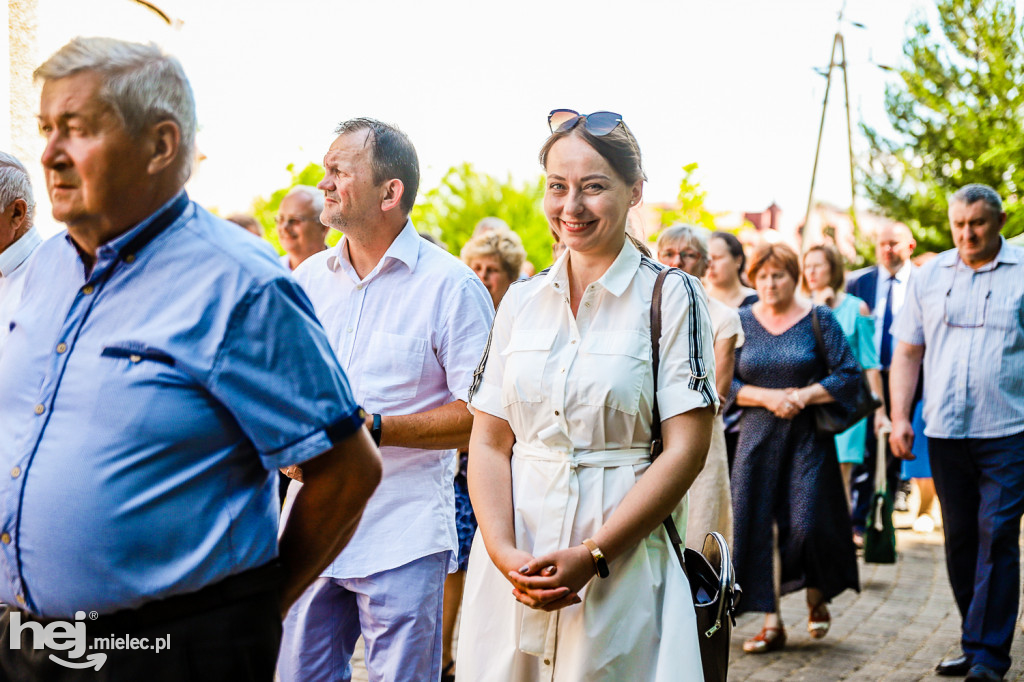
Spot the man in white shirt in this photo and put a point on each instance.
(883, 287)
(298, 225)
(18, 238)
(409, 323)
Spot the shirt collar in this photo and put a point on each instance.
(126, 245)
(17, 253)
(901, 275)
(1007, 255)
(405, 248)
(615, 279)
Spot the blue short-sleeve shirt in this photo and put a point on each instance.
(146, 406)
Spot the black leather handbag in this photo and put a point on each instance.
(832, 418)
(710, 573)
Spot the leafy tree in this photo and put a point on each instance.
(958, 115)
(691, 203)
(451, 210)
(265, 208)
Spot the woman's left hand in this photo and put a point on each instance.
(570, 568)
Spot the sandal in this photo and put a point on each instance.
(766, 641)
(819, 620)
(446, 674)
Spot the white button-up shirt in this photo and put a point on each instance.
(971, 324)
(12, 276)
(409, 336)
(899, 294)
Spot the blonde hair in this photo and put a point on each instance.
(507, 247)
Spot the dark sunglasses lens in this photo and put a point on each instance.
(602, 122)
(562, 119)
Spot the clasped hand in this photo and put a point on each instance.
(785, 403)
(548, 582)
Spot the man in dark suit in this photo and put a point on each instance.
(883, 287)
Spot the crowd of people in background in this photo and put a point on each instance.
(461, 435)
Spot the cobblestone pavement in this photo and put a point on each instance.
(897, 628)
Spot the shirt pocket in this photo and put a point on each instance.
(612, 368)
(396, 366)
(525, 357)
(1005, 313)
(137, 381)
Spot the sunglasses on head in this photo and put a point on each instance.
(598, 123)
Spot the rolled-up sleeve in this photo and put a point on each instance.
(464, 335)
(686, 377)
(909, 323)
(485, 391)
(276, 373)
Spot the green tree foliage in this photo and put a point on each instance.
(265, 208)
(691, 203)
(958, 114)
(451, 210)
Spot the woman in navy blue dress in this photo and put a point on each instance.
(786, 484)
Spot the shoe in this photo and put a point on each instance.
(819, 620)
(954, 667)
(924, 524)
(983, 673)
(766, 641)
(900, 503)
(447, 675)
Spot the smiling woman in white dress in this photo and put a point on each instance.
(560, 473)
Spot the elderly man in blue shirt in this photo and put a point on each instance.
(160, 368)
(964, 319)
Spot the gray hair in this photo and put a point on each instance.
(490, 224)
(141, 83)
(15, 184)
(312, 193)
(694, 237)
(968, 194)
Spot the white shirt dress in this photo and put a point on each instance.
(577, 393)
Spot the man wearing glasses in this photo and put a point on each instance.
(964, 319)
(298, 225)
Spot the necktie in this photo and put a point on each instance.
(885, 352)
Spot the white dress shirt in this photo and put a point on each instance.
(899, 294)
(12, 276)
(409, 336)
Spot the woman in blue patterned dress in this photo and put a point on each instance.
(786, 485)
(824, 282)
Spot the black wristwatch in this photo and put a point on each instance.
(375, 431)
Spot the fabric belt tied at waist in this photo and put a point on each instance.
(558, 510)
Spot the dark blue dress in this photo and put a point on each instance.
(785, 472)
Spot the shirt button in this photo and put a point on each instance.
(547, 661)
(5, 538)
(556, 413)
(130, 258)
(20, 599)
(61, 347)
(15, 472)
(359, 287)
(562, 370)
(587, 304)
(87, 289)
(135, 358)
(349, 330)
(574, 341)
(40, 409)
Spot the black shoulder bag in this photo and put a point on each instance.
(710, 573)
(832, 418)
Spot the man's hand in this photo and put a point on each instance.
(901, 440)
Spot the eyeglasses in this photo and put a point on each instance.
(291, 220)
(965, 309)
(598, 123)
(669, 254)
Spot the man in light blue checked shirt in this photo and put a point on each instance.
(160, 367)
(964, 318)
